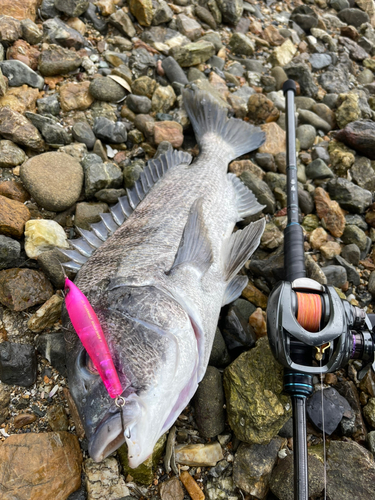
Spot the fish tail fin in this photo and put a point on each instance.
(209, 119)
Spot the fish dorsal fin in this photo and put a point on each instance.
(101, 231)
(195, 247)
(234, 289)
(240, 246)
(247, 203)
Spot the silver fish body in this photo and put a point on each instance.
(159, 281)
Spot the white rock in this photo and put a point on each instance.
(42, 235)
(199, 454)
(103, 480)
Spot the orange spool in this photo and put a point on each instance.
(309, 311)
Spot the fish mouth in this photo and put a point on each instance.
(108, 437)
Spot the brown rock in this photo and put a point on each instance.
(46, 317)
(24, 419)
(318, 237)
(77, 24)
(17, 128)
(219, 84)
(3, 84)
(45, 466)
(56, 60)
(20, 99)
(23, 288)
(262, 109)
(275, 139)
(370, 215)
(14, 191)
(169, 131)
(22, 51)
(20, 9)
(330, 212)
(106, 7)
(171, 490)
(240, 166)
(142, 10)
(52, 81)
(255, 296)
(57, 418)
(330, 249)
(75, 96)
(146, 124)
(192, 486)
(272, 35)
(258, 321)
(13, 217)
(10, 28)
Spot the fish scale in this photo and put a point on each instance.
(158, 281)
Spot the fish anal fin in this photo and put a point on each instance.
(234, 289)
(240, 246)
(195, 247)
(247, 203)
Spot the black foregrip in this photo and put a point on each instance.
(294, 257)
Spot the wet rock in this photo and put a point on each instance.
(109, 196)
(18, 364)
(363, 174)
(256, 409)
(275, 139)
(174, 71)
(142, 10)
(171, 490)
(53, 179)
(231, 10)
(192, 53)
(13, 216)
(16, 128)
(106, 89)
(102, 176)
(120, 20)
(51, 346)
(354, 234)
(237, 333)
(168, 131)
(200, 455)
(188, 26)
(352, 273)
(9, 252)
(253, 466)
(330, 212)
(31, 32)
(208, 404)
(261, 190)
(108, 131)
(349, 196)
(334, 407)
(261, 109)
(43, 235)
(87, 213)
(354, 17)
(23, 288)
(138, 104)
(29, 461)
(51, 130)
(359, 135)
(75, 96)
(58, 61)
(282, 485)
(336, 275)
(72, 8)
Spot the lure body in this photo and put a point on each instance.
(87, 326)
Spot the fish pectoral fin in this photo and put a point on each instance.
(240, 246)
(195, 247)
(234, 289)
(247, 203)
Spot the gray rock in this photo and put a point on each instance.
(56, 60)
(174, 71)
(82, 132)
(18, 73)
(219, 354)
(253, 464)
(110, 195)
(213, 38)
(139, 104)
(10, 251)
(335, 81)
(48, 105)
(320, 152)
(311, 118)
(287, 429)
(305, 201)
(330, 100)
(371, 441)
(106, 89)
(48, 9)
(320, 61)
(108, 131)
(302, 74)
(208, 404)
(242, 44)
(349, 196)
(31, 32)
(261, 190)
(354, 17)
(366, 76)
(51, 346)
(231, 10)
(318, 169)
(163, 14)
(73, 8)
(188, 27)
(50, 264)
(237, 332)
(339, 4)
(52, 132)
(90, 159)
(353, 234)
(245, 307)
(253, 65)
(88, 213)
(351, 253)
(336, 275)
(363, 174)
(266, 161)
(98, 22)
(303, 102)
(102, 176)
(56, 31)
(18, 364)
(10, 154)
(371, 283)
(235, 68)
(352, 273)
(280, 76)
(305, 17)
(140, 61)
(306, 135)
(121, 20)
(217, 62)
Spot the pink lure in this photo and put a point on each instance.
(87, 326)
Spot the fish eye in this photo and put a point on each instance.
(90, 365)
(86, 364)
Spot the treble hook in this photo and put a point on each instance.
(120, 403)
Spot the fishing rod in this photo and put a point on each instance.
(311, 331)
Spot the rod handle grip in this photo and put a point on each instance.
(294, 255)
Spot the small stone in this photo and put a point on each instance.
(88, 213)
(13, 217)
(261, 109)
(163, 99)
(305, 17)
(353, 234)
(10, 154)
(102, 176)
(108, 131)
(23, 52)
(352, 273)
(351, 253)
(354, 17)
(29, 461)
(318, 169)
(208, 404)
(336, 275)
(242, 44)
(219, 354)
(306, 135)
(109, 196)
(82, 132)
(281, 56)
(330, 212)
(168, 131)
(18, 364)
(51, 346)
(49, 105)
(231, 10)
(57, 418)
(75, 96)
(200, 455)
(334, 407)
(318, 237)
(72, 8)
(306, 116)
(192, 54)
(103, 480)
(191, 486)
(31, 32)
(320, 61)
(46, 316)
(16, 128)
(139, 104)
(258, 322)
(43, 235)
(171, 490)
(275, 139)
(142, 10)
(10, 28)
(120, 20)
(54, 180)
(10, 251)
(331, 249)
(188, 27)
(342, 158)
(106, 89)
(23, 419)
(58, 61)
(360, 136)
(349, 196)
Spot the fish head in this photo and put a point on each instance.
(154, 348)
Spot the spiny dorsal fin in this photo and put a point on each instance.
(195, 247)
(101, 231)
(234, 289)
(240, 246)
(247, 203)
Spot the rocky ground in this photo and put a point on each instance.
(88, 92)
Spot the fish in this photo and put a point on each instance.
(157, 271)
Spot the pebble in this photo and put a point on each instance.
(138, 104)
(54, 180)
(171, 490)
(58, 61)
(306, 135)
(336, 275)
(13, 217)
(102, 176)
(209, 404)
(18, 364)
(170, 131)
(109, 131)
(42, 236)
(330, 212)
(106, 89)
(51, 346)
(88, 213)
(191, 486)
(82, 132)
(19, 73)
(16, 128)
(75, 96)
(199, 454)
